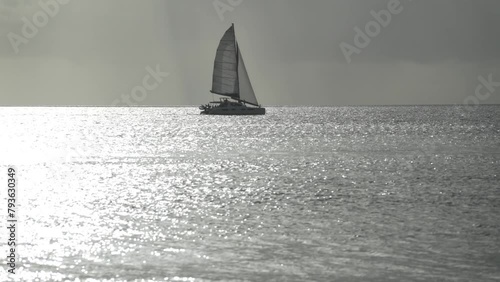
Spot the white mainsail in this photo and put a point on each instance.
(225, 76)
(230, 77)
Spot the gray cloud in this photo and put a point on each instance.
(92, 51)
(431, 31)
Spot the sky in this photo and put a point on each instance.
(315, 52)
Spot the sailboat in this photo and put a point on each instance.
(230, 80)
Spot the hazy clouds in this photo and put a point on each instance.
(91, 52)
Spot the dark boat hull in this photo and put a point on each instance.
(234, 111)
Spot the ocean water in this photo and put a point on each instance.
(301, 194)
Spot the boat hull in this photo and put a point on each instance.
(234, 111)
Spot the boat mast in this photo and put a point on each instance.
(237, 60)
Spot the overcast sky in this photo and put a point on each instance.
(91, 52)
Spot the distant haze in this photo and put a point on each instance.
(94, 52)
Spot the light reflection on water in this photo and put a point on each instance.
(365, 193)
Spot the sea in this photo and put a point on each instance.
(379, 193)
